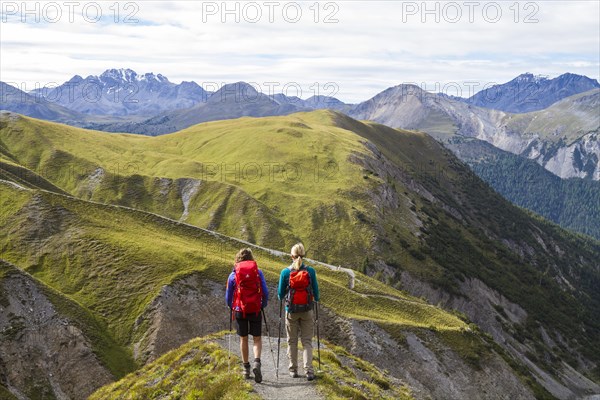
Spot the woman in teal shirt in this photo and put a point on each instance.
(298, 285)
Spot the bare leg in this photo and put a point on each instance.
(244, 348)
(257, 346)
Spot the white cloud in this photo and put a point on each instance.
(373, 46)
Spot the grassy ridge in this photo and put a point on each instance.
(12, 172)
(333, 214)
(199, 369)
(567, 120)
(114, 261)
(277, 173)
(269, 180)
(196, 370)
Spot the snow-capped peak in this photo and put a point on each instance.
(529, 77)
(122, 75)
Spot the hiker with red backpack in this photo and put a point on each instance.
(299, 288)
(246, 295)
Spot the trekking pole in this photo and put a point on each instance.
(278, 338)
(229, 351)
(318, 336)
(270, 345)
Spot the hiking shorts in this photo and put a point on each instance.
(252, 324)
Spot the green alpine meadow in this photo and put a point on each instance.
(113, 232)
(325, 200)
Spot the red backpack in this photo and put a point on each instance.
(248, 293)
(300, 295)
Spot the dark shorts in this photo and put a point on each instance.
(252, 324)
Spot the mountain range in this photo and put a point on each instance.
(125, 242)
(230, 101)
(558, 130)
(563, 138)
(121, 100)
(528, 92)
(18, 101)
(122, 92)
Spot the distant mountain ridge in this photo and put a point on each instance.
(123, 92)
(563, 138)
(234, 100)
(16, 100)
(528, 92)
(231, 101)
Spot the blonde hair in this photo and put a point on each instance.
(244, 255)
(297, 253)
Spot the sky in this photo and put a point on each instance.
(349, 49)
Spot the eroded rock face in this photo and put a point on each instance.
(433, 370)
(428, 366)
(189, 307)
(410, 107)
(479, 305)
(493, 313)
(182, 311)
(42, 353)
(577, 160)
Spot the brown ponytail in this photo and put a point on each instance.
(244, 255)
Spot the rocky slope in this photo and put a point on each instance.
(495, 314)
(44, 353)
(563, 138)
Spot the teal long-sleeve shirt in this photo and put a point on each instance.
(284, 280)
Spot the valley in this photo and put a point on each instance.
(131, 222)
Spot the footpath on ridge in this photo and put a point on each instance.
(287, 387)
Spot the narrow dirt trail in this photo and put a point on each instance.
(287, 388)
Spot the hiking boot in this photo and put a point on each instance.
(257, 373)
(293, 374)
(246, 371)
(310, 376)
